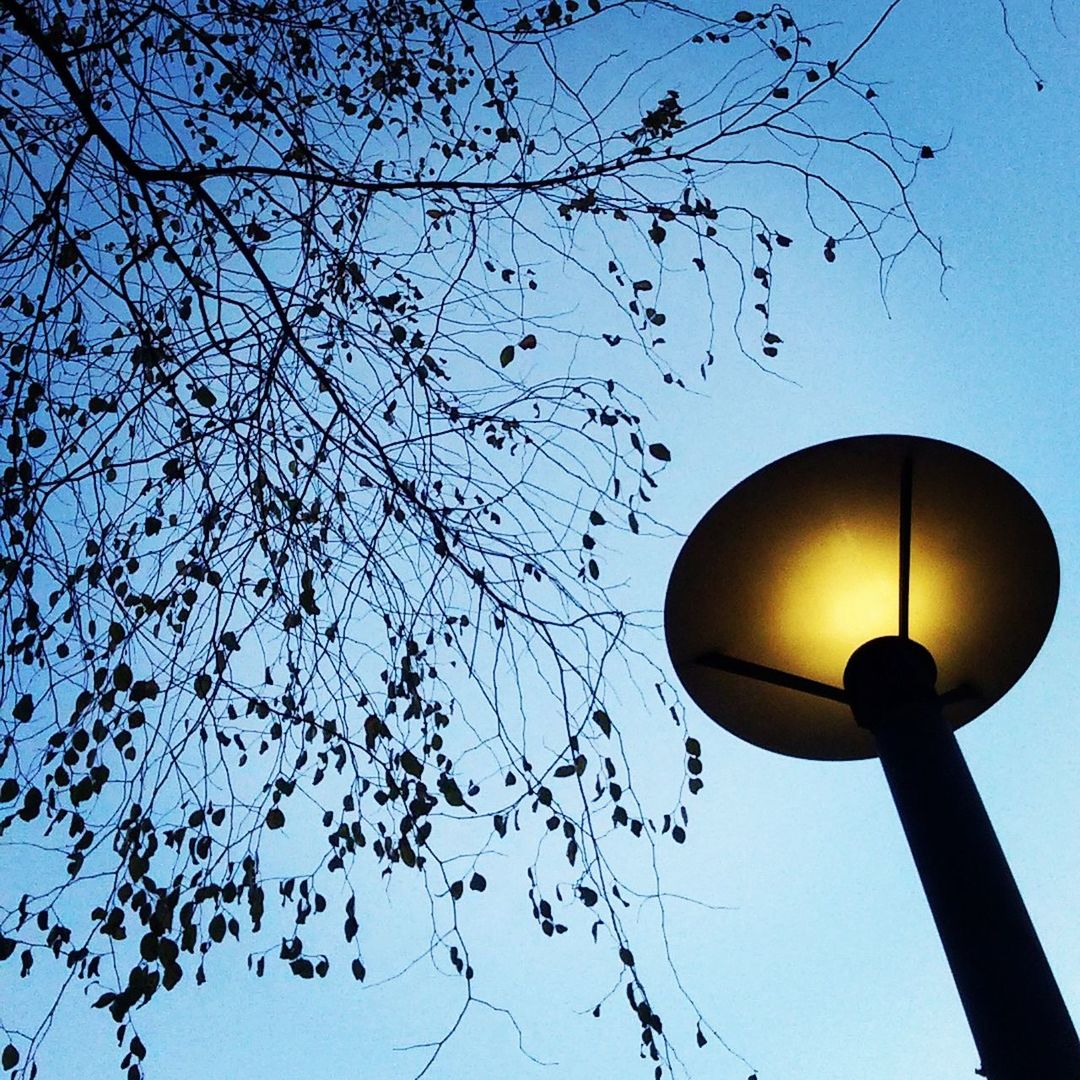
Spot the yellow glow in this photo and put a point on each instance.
(839, 588)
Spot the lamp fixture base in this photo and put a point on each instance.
(886, 677)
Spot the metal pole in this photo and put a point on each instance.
(1017, 1016)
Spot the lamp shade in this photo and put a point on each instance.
(823, 550)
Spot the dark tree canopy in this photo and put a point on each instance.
(326, 331)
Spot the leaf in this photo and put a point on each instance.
(528, 342)
(275, 819)
(31, 804)
(659, 451)
(217, 928)
(781, 92)
(478, 883)
(10, 1057)
(9, 789)
(24, 708)
(358, 971)
(588, 896)
(411, 764)
(657, 233)
(7, 947)
(926, 153)
(303, 967)
(144, 690)
(452, 793)
(68, 255)
(148, 946)
(701, 1040)
(506, 357)
(626, 956)
(603, 721)
(205, 397)
(743, 16)
(122, 677)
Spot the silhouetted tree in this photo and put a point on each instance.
(325, 331)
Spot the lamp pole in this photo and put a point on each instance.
(1017, 1016)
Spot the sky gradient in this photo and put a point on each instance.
(795, 918)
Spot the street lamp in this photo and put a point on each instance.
(867, 597)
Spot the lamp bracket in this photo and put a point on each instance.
(885, 677)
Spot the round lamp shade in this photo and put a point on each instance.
(823, 550)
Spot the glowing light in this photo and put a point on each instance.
(838, 588)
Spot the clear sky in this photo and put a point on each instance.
(804, 936)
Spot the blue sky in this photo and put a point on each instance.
(795, 919)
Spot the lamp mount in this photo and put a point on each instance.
(886, 677)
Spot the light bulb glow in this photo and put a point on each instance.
(839, 588)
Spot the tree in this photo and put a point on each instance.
(328, 329)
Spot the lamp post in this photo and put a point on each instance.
(866, 597)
